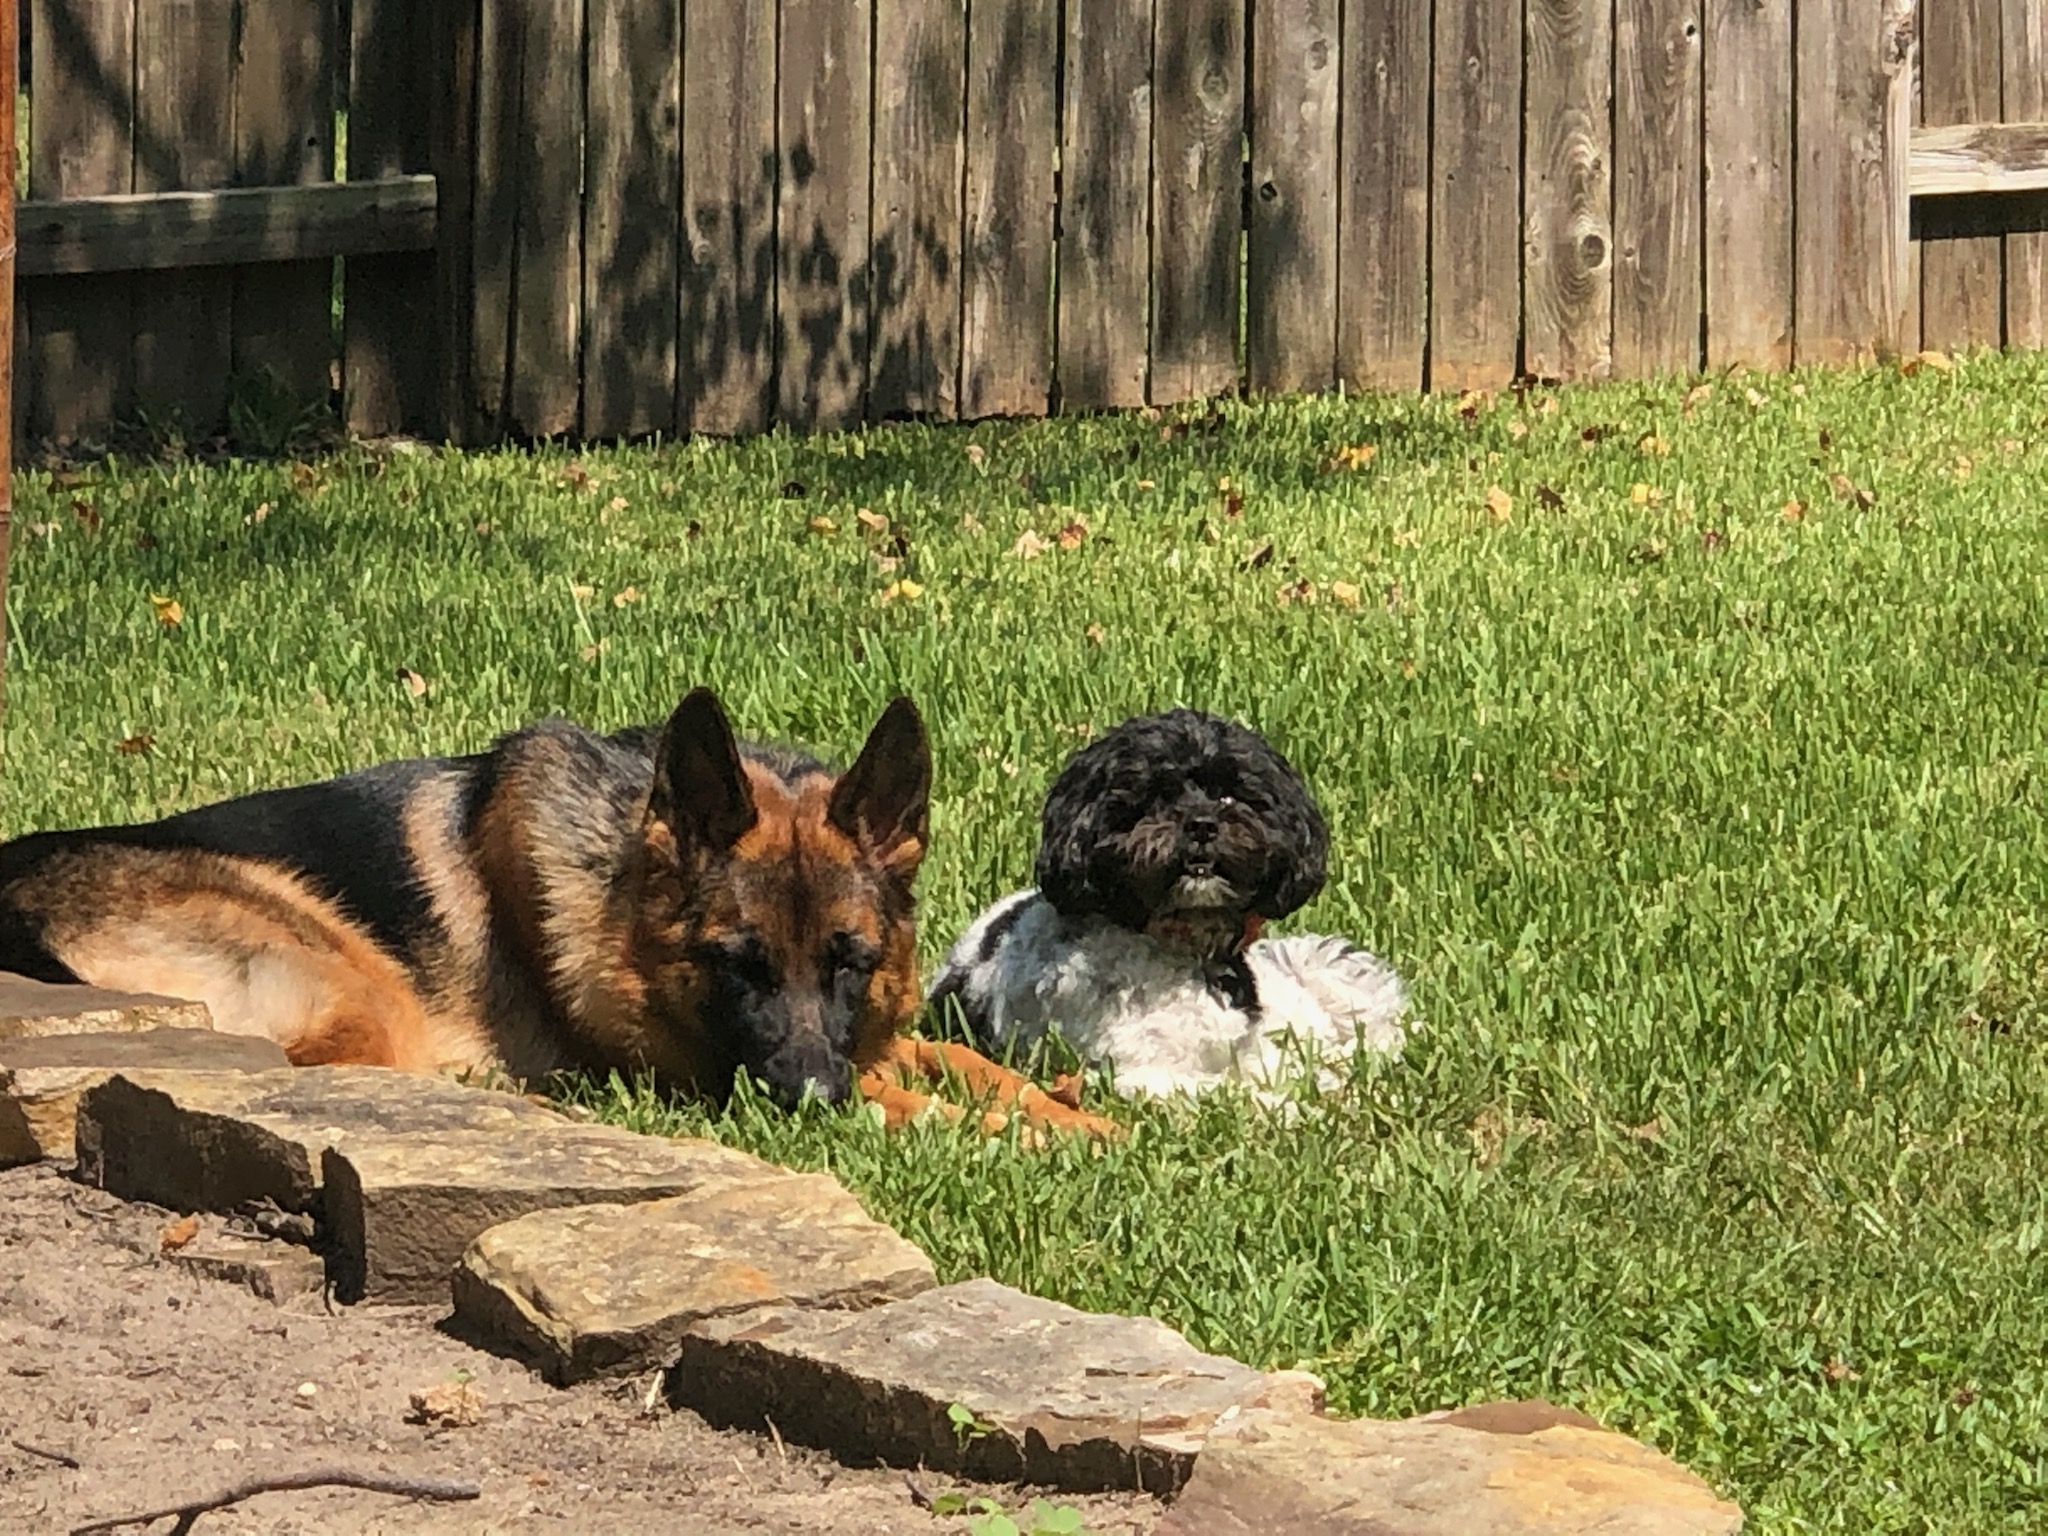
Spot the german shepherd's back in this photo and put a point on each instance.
(658, 900)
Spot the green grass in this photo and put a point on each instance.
(1673, 807)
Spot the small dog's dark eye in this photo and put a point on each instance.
(849, 952)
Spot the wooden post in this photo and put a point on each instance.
(10, 71)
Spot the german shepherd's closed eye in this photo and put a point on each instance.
(664, 901)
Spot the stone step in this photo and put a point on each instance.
(610, 1290)
(1520, 1469)
(980, 1380)
(29, 1008)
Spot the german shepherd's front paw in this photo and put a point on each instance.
(1006, 1094)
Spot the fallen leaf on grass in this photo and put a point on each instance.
(1345, 593)
(1263, 555)
(976, 454)
(169, 611)
(1233, 505)
(414, 683)
(871, 520)
(624, 596)
(1849, 490)
(1547, 496)
(1695, 397)
(1029, 545)
(1500, 504)
(1472, 401)
(1940, 362)
(1096, 634)
(582, 591)
(1071, 536)
(909, 591)
(138, 745)
(1713, 541)
(1793, 511)
(824, 527)
(1518, 429)
(177, 1234)
(449, 1405)
(1651, 1129)
(592, 652)
(1836, 1371)
(1644, 495)
(1297, 592)
(1357, 456)
(1650, 443)
(87, 514)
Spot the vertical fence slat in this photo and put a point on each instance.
(1384, 193)
(914, 242)
(1013, 116)
(1197, 197)
(1105, 204)
(184, 139)
(1961, 280)
(1749, 182)
(2026, 101)
(632, 180)
(78, 348)
(387, 374)
(1852, 114)
(822, 216)
(1475, 234)
(1568, 265)
(1658, 184)
(1291, 257)
(527, 240)
(725, 350)
(284, 136)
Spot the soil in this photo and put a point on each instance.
(164, 1387)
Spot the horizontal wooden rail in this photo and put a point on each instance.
(234, 227)
(1979, 157)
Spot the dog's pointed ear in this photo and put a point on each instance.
(700, 790)
(883, 802)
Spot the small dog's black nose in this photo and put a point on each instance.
(1201, 829)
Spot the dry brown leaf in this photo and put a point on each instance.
(1357, 456)
(592, 652)
(909, 591)
(1071, 536)
(1849, 490)
(625, 595)
(1757, 401)
(824, 527)
(1644, 495)
(1297, 592)
(1836, 1371)
(1695, 397)
(1518, 429)
(414, 683)
(1940, 362)
(871, 520)
(1263, 555)
(1653, 445)
(583, 592)
(1029, 545)
(1233, 505)
(89, 516)
(138, 745)
(976, 454)
(616, 504)
(1345, 593)
(1096, 634)
(1548, 496)
(1500, 504)
(169, 611)
(1651, 1129)
(1793, 511)
(177, 1234)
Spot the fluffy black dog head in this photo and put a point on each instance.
(1182, 825)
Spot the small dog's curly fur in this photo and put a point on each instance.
(1165, 846)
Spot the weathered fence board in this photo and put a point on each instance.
(632, 184)
(725, 351)
(1568, 234)
(822, 220)
(284, 136)
(2025, 37)
(1657, 187)
(1105, 204)
(77, 330)
(1475, 225)
(914, 244)
(1291, 234)
(1854, 87)
(1961, 298)
(388, 304)
(1383, 222)
(1748, 214)
(184, 137)
(1013, 127)
(1197, 196)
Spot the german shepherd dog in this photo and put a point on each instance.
(662, 901)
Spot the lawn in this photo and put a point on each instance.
(1682, 747)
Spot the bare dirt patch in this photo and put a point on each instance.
(163, 1386)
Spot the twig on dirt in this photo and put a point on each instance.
(285, 1482)
(46, 1453)
(776, 1435)
(918, 1496)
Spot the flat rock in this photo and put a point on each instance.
(29, 1008)
(218, 1141)
(1079, 1401)
(42, 1076)
(273, 1270)
(400, 1209)
(1512, 1469)
(609, 1290)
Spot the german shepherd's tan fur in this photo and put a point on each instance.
(663, 901)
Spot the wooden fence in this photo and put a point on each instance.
(611, 217)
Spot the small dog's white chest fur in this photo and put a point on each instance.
(1149, 1013)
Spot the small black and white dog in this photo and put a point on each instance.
(1165, 846)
